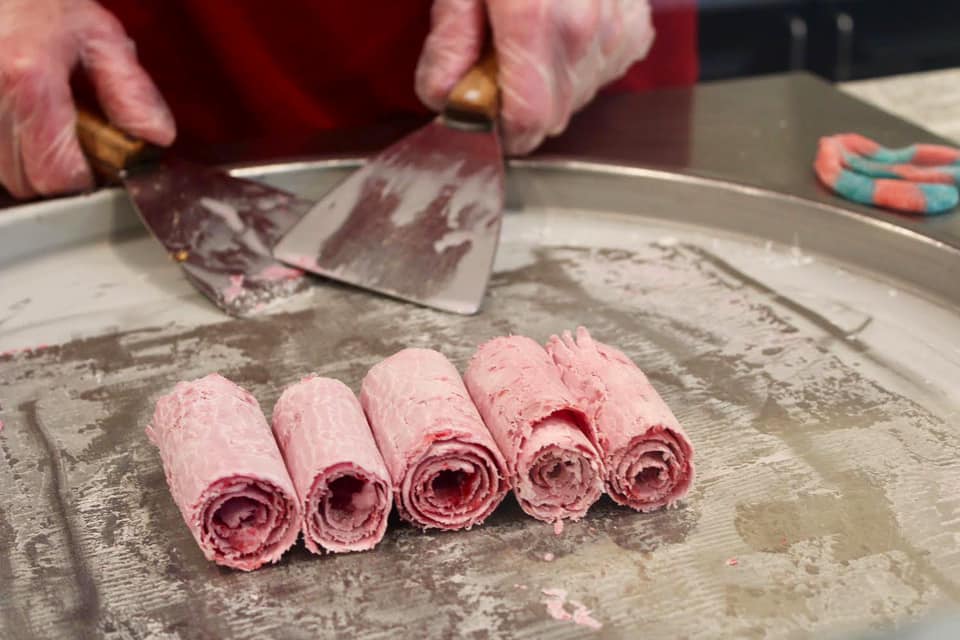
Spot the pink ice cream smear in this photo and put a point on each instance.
(279, 272)
(235, 290)
(556, 602)
(14, 352)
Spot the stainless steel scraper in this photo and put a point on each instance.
(220, 229)
(421, 220)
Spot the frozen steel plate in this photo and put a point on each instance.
(811, 352)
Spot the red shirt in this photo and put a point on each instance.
(244, 69)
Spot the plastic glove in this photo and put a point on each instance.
(553, 56)
(41, 42)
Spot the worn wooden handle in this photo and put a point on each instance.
(477, 93)
(110, 150)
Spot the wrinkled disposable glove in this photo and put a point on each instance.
(553, 56)
(41, 41)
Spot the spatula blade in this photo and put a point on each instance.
(221, 230)
(419, 222)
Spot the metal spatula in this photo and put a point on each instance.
(219, 228)
(421, 220)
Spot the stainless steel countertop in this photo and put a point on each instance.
(930, 99)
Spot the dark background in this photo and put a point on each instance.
(836, 39)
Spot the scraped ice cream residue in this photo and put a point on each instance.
(235, 290)
(24, 350)
(556, 601)
(276, 272)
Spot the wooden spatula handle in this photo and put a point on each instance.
(109, 149)
(477, 92)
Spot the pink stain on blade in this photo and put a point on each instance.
(558, 528)
(304, 262)
(548, 557)
(235, 290)
(277, 272)
(732, 562)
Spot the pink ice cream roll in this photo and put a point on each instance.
(339, 474)
(446, 469)
(647, 455)
(551, 450)
(225, 472)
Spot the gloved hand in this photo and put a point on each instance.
(553, 56)
(41, 41)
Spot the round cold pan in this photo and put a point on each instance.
(446, 469)
(648, 457)
(335, 465)
(551, 451)
(225, 472)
